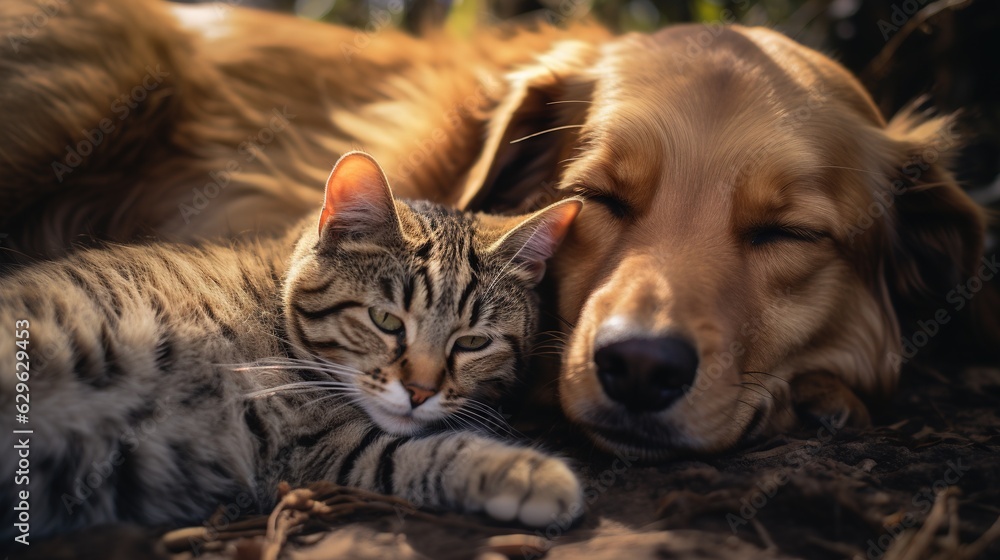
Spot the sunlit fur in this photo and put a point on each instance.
(703, 143)
(169, 380)
(279, 97)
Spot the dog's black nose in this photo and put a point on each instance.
(646, 374)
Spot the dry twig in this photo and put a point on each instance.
(305, 510)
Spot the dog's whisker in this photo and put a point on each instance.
(730, 416)
(762, 386)
(555, 347)
(560, 318)
(555, 129)
(756, 408)
(749, 386)
(765, 373)
(550, 346)
(553, 333)
(760, 382)
(552, 353)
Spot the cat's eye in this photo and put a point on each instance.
(385, 321)
(471, 343)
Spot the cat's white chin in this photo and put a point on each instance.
(395, 424)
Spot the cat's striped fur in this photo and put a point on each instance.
(140, 415)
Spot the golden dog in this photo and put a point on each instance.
(755, 237)
(754, 224)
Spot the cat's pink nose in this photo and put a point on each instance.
(418, 393)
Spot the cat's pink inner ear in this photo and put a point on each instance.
(357, 194)
(549, 228)
(536, 239)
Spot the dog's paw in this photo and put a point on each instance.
(828, 400)
(529, 487)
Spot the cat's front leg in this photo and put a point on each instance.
(475, 473)
(472, 473)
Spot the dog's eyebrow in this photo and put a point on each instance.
(805, 209)
(634, 171)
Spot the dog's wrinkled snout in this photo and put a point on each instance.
(646, 374)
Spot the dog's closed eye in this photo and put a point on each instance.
(771, 234)
(617, 206)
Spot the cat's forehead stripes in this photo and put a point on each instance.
(454, 280)
(438, 274)
(441, 261)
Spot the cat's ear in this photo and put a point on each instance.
(535, 237)
(357, 198)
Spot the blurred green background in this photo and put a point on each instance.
(946, 50)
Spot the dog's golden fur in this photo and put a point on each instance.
(419, 106)
(746, 195)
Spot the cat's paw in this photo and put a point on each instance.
(531, 488)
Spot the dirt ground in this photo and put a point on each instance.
(923, 483)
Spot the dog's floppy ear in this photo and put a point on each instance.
(531, 131)
(937, 234)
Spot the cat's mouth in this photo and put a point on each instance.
(396, 423)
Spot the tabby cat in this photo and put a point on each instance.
(356, 339)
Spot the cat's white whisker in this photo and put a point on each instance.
(347, 401)
(311, 384)
(318, 360)
(303, 386)
(334, 370)
(302, 350)
(264, 395)
(465, 423)
(293, 368)
(495, 416)
(482, 406)
(460, 424)
(480, 424)
(474, 415)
